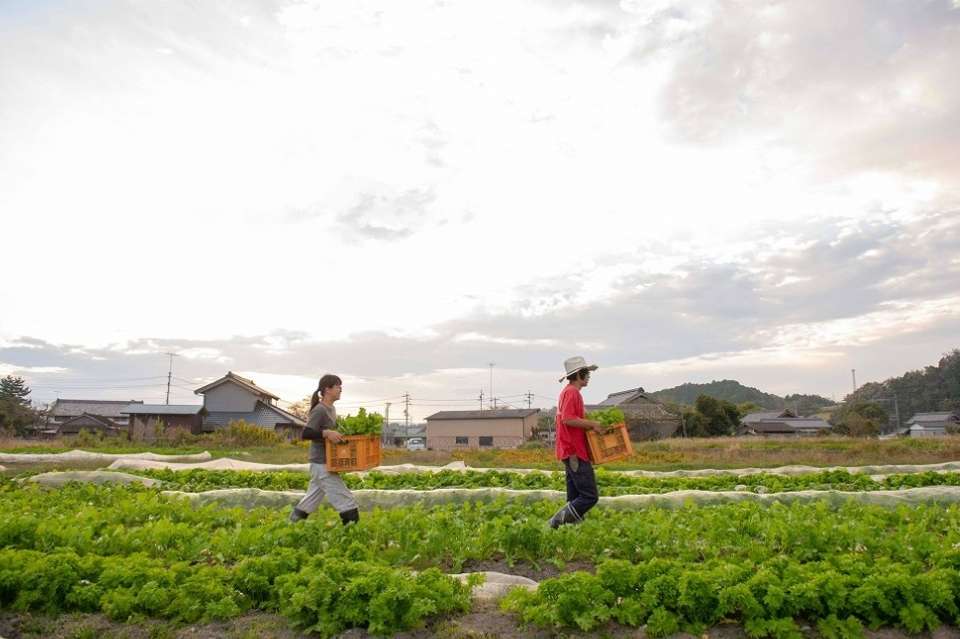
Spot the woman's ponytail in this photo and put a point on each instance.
(327, 381)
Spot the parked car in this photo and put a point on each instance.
(416, 443)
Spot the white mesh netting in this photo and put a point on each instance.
(86, 456)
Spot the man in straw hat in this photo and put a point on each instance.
(572, 427)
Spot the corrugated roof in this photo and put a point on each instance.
(941, 417)
(240, 381)
(77, 407)
(263, 408)
(163, 409)
(222, 418)
(505, 413)
(263, 414)
(789, 424)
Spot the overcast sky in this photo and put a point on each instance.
(402, 193)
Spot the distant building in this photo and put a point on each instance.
(505, 428)
(145, 418)
(91, 424)
(646, 417)
(398, 433)
(753, 418)
(232, 398)
(932, 424)
(782, 423)
(101, 415)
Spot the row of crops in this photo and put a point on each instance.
(610, 483)
(128, 551)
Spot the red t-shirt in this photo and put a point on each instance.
(571, 441)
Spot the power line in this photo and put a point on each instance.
(450, 406)
(53, 378)
(94, 384)
(61, 387)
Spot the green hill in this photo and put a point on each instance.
(933, 388)
(733, 391)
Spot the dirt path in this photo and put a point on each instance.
(484, 622)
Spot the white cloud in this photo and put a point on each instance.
(204, 353)
(9, 369)
(509, 341)
(254, 180)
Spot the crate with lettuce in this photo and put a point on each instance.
(360, 448)
(614, 443)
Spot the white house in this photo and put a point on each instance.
(931, 424)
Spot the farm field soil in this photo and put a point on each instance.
(670, 454)
(486, 621)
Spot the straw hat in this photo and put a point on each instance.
(576, 364)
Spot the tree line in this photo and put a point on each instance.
(16, 413)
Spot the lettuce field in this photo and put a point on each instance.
(131, 552)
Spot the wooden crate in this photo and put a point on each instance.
(610, 446)
(355, 452)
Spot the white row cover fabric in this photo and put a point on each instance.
(86, 456)
(224, 463)
(369, 499)
(235, 464)
(59, 479)
(496, 584)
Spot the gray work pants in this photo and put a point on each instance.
(323, 483)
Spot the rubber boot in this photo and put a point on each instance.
(566, 515)
(350, 516)
(297, 515)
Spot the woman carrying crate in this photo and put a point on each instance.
(572, 427)
(322, 425)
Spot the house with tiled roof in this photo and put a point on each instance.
(233, 398)
(101, 415)
(782, 423)
(90, 424)
(646, 417)
(763, 416)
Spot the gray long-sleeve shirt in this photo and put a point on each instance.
(321, 418)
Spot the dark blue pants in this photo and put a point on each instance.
(582, 492)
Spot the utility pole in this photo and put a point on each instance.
(896, 409)
(492, 398)
(406, 414)
(529, 399)
(386, 423)
(481, 399)
(853, 372)
(169, 375)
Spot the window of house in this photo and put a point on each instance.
(486, 440)
(463, 441)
